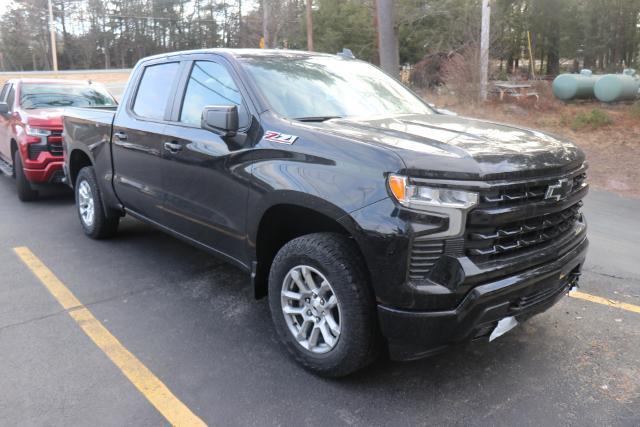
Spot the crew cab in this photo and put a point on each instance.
(31, 128)
(371, 221)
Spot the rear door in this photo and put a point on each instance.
(138, 134)
(205, 176)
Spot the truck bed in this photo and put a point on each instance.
(89, 130)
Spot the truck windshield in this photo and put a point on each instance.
(48, 95)
(322, 87)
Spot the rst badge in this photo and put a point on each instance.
(278, 137)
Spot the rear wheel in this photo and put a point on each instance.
(322, 305)
(26, 193)
(95, 223)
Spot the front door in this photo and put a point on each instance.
(138, 135)
(205, 175)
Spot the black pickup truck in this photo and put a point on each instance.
(372, 221)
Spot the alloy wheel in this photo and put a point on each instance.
(311, 309)
(86, 205)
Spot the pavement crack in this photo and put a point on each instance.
(34, 319)
(91, 304)
(611, 276)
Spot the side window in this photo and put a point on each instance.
(5, 88)
(11, 96)
(154, 90)
(210, 84)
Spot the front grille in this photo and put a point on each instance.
(514, 218)
(55, 148)
(528, 192)
(485, 243)
(424, 254)
(54, 142)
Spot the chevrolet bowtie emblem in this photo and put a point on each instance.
(559, 190)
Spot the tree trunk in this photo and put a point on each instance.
(265, 23)
(309, 26)
(388, 37)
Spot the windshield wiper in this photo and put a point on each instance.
(316, 118)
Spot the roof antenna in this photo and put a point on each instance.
(346, 53)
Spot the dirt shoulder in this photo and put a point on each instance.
(608, 134)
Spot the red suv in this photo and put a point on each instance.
(31, 127)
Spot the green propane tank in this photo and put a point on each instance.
(617, 87)
(574, 86)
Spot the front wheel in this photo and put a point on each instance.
(94, 222)
(25, 191)
(322, 305)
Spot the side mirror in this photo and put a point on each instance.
(4, 108)
(221, 119)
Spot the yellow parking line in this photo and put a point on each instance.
(605, 301)
(176, 412)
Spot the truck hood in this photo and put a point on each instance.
(47, 118)
(442, 146)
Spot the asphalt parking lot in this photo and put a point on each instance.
(192, 322)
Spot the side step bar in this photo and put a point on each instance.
(6, 168)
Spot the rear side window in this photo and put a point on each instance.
(11, 96)
(5, 88)
(210, 84)
(154, 90)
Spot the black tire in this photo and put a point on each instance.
(26, 193)
(101, 226)
(338, 259)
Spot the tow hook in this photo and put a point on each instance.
(573, 281)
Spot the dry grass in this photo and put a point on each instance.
(608, 134)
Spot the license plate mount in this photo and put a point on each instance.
(504, 325)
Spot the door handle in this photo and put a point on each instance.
(121, 136)
(172, 147)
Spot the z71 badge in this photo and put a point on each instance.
(279, 137)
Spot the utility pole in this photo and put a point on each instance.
(240, 32)
(52, 29)
(388, 38)
(376, 58)
(265, 23)
(309, 26)
(484, 49)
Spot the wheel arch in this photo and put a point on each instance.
(283, 221)
(78, 159)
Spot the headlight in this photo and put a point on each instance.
(424, 198)
(439, 202)
(36, 131)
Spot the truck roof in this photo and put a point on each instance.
(243, 53)
(47, 81)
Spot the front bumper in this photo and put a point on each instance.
(415, 334)
(49, 173)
